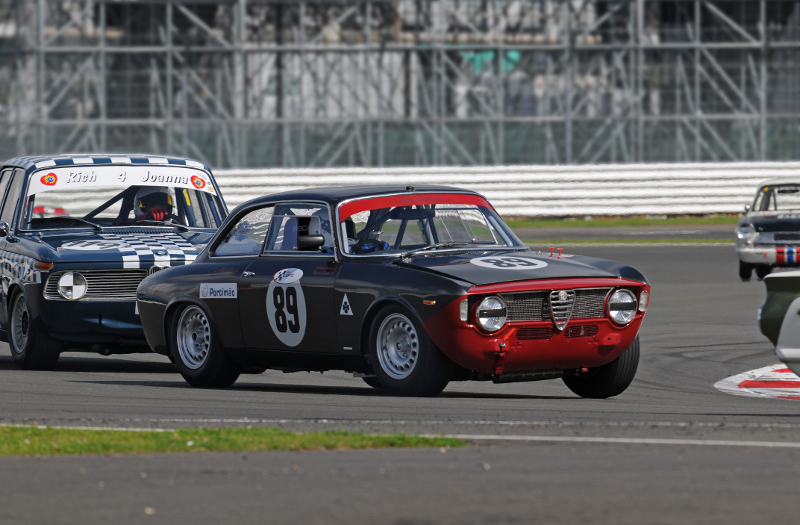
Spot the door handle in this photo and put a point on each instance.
(248, 274)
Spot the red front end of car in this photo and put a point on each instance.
(533, 338)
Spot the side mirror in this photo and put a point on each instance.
(307, 243)
(3, 229)
(747, 208)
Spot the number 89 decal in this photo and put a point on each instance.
(504, 262)
(286, 306)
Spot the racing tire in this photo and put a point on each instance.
(745, 270)
(608, 380)
(374, 382)
(198, 352)
(762, 270)
(31, 348)
(404, 359)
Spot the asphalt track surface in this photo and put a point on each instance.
(668, 460)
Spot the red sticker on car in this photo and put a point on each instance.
(49, 179)
(198, 182)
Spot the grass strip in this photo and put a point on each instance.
(562, 242)
(30, 441)
(602, 222)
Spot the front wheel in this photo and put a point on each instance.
(745, 271)
(31, 348)
(608, 380)
(762, 270)
(405, 360)
(198, 353)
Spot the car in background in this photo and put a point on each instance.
(77, 236)
(408, 288)
(768, 236)
(779, 317)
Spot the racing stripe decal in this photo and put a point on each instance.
(789, 254)
(780, 254)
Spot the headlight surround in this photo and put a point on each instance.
(72, 286)
(746, 232)
(621, 306)
(491, 313)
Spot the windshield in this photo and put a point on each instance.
(407, 223)
(778, 198)
(108, 195)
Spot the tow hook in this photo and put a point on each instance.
(500, 360)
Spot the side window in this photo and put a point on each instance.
(5, 176)
(247, 235)
(12, 196)
(293, 220)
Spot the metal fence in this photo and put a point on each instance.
(303, 83)
(547, 191)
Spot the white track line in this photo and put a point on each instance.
(632, 441)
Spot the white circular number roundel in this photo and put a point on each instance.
(286, 306)
(507, 262)
(92, 244)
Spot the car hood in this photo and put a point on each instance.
(140, 247)
(481, 268)
(773, 221)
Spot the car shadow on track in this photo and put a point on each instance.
(90, 364)
(325, 390)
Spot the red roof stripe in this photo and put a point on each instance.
(407, 199)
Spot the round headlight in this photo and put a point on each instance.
(746, 232)
(72, 286)
(622, 307)
(492, 314)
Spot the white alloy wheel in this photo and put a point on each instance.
(20, 325)
(194, 337)
(398, 346)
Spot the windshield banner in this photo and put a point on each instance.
(349, 209)
(78, 177)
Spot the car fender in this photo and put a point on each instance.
(372, 310)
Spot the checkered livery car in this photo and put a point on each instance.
(78, 235)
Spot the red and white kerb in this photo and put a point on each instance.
(775, 381)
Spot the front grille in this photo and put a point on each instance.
(561, 302)
(101, 285)
(786, 237)
(532, 334)
(587, 330)
(535, 306)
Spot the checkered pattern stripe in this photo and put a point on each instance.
(36, 163)
(16, 266)
(139, 250)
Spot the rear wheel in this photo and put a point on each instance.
(745, 270)
(608, 380)
(198, 353)
(762, 270)
(405, 360)
(31, 348)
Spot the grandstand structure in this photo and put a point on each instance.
(261, 83)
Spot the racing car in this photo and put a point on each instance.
(768, 235)
(408, 288)
(69, 279)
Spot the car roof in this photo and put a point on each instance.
(780, 182)
(336, 194)
(36, 162)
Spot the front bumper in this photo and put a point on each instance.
(86, 323)
(772, 254)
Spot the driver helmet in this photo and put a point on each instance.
(149, 197)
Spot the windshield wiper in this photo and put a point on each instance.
(435, 247)
(71, 218)
(180, 227)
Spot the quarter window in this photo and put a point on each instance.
(247, 235)
(293, 220)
